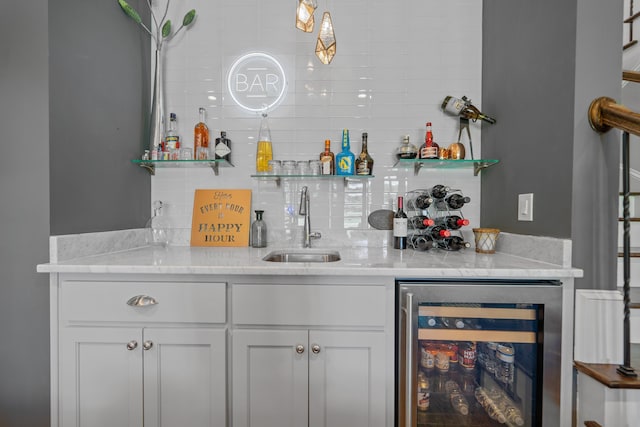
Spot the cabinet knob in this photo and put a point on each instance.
(132, 345)
(142, 301)
(147, 345)
(315, 348)
(299, 349)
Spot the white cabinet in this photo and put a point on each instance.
(163, 363)
(328, 371)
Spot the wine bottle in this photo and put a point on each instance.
(452, 243)
(429, 150)
(439, 191)
(452, 201)
(201, 137)
(345, 159)
(438, 232)
(423, 201)
(453, 222)
(421, 222)
(464, 108)
(327, 160)
(420, 242)
(364, 162)
(223, 147)
(400, 227)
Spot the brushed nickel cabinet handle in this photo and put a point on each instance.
(315, 348)
(142, 301)
(147, 345)
(132, 345)
(299, 349)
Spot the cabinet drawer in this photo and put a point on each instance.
(323, 305)
(183, 302)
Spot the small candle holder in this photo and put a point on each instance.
(486, 239)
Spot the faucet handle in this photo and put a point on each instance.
(304, 198)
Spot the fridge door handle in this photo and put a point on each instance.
(409, 368)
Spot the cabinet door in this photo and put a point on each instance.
(184, 377)
(270, 378)
(100, 377)
(347, 379)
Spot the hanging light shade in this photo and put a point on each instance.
(304, 15)
(326, 44)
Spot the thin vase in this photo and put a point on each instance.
(156, 124)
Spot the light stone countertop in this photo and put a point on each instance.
(518, 257)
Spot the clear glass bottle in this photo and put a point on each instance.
(505, 354)
(201, 137)
(264, 150)
(345, 159)
(364, 162)
(407, 150)
(327, 160)
(259, 231)
(158, 226)
(172, 138)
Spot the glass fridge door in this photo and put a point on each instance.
(477, 364)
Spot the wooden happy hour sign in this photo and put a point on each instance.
(221, 218)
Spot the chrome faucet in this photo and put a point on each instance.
(304, 210)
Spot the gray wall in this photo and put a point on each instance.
(24, 214)
(541, 69)
(98, 103)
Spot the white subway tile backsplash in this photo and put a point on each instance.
(395, 63)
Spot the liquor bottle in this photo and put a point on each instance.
(345, 160)
(453, 222)
(438, 232)
(421, 242)
(264, 150)
(452, 243)
(172, 138)
(420, 222)
(327, 160)
(259, 231)
(464, 108)
(514, 415)
(223, 147)
(400, 227)
(429, 150)
(452, 201)
(506, 358)
(201, 137)
(439, 191)
(364, 162)
(407, 150)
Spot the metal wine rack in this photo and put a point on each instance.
(431, 212)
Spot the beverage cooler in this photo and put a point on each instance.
(478, 353)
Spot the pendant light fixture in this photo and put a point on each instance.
(326, 44)
(304, 15)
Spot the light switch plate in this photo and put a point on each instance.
(525, 207)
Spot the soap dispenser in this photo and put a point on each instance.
(259, 231)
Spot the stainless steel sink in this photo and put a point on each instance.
(302, 256)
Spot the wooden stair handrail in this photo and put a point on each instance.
(631, 76)
(605, 113)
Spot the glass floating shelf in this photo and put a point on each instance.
(477, 164)
(278, 178)
(151, 165)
